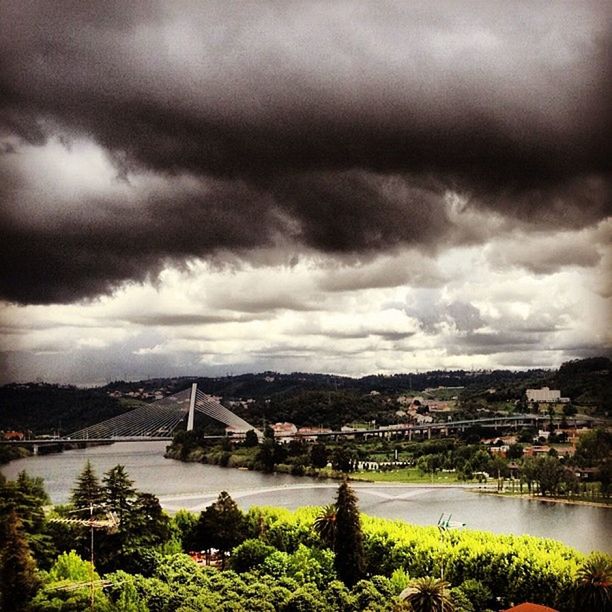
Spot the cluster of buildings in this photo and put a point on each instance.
(141, 394)
(284, 432)
(418, 409)
(13, 435)
(540, 445)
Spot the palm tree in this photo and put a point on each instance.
(593, 586)
(428, 595)
(325, 524)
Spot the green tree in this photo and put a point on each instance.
(18, 580)
(342, 459)
(133, 545)
(149, 525)
(498, 467)
(69, 587)
(114, 547)
(428, 595)
(515, 451)
(128, 599)
(250, 438)
(87, 500)
(222, 526)
(605, 476)
(87, 492)
(569, 409)
(593, 587)
(477, 593)
(185, 523)
(266, 454)
(27, 497)
(529, 472)
(348, 544)
(549, 474)
(250, 554)
(593, 448)
(118, 491)
(527, 435)
(318, 455)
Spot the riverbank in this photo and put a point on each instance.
(407, 477)
(11, 453)
(553, 500)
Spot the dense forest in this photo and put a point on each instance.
(312, 560)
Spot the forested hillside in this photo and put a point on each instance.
(587, 381)
(305, 399)
(43, 408)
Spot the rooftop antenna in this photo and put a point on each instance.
(111, 523)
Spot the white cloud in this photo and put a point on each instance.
(315, 316)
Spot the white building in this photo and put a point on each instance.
(546, 395)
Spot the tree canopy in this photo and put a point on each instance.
(348, 540)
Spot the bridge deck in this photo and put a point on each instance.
(494, 422)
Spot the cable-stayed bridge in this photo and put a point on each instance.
(159, 419)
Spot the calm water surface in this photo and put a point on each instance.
(194, 486)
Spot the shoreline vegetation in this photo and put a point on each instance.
(313, 559)
(439, 462)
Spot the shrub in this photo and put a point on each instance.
(250, 554)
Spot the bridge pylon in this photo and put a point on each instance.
(192, 401)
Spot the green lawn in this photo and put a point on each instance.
(412, 475)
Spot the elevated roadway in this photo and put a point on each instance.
(408, 430)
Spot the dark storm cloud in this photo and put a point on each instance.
(362, 334)
(179, 320)
(335, 126)
(68, 259)
(244, 302)
(482, 343)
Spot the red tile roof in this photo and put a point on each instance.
(530, 607)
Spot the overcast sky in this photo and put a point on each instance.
(346, 187)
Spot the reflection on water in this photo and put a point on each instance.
(193, 486)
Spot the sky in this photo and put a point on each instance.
(348, 187)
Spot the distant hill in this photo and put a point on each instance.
(587, 382)
(306, 399)
(44, 408)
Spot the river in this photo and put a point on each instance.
(194, 486)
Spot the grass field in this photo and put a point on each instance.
(410, 475)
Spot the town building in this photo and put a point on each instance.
(14, 435)
(545, 395)
(283, 431)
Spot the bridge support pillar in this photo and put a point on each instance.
(429, 433)
(35, 449)
(192, 399)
